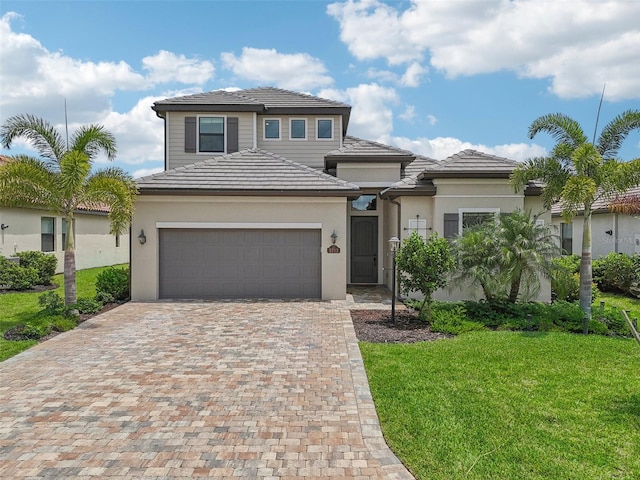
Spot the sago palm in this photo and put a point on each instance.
(578, 172)
(61, 180)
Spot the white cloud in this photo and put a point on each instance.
(371, 114)
(297, 71)
(165, 67)
(409, 113)
(443, 147)
(412, 76)
(432, 120)
(578, 45)
(145, 172)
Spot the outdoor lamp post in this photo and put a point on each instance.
(394, 243)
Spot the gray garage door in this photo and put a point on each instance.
(204, 263)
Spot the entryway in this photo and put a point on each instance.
(364, 249)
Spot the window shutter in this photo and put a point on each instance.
(190, 134)
(450, 225)
(232, 134)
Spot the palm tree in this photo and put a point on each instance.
(61, 180)
(578, 172)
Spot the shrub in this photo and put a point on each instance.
(53, 304)
(453, 321)
(615, 272)
(115, 282)
(63, 324)
(87, 305)
(103, 298)
(17, 277)
(36, 332)
(44, 264)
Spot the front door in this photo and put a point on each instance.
(364, 249)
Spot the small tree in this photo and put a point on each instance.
(423, 266)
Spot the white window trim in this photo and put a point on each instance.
(264, 129)
(493, 210)
(306, 129)
(332, 129)
(198, 117)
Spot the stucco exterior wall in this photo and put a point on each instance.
(267, 212)
(95, 246)
(369, 174)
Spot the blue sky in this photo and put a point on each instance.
(434, 77)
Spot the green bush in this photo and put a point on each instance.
(17, 277)
(615, 272)
(45, 264)
(115, 282)
(52, 303)
(103, 298)
(36, 332)
(453, 321)
(568, 262)
(63, 324)
(87, 305)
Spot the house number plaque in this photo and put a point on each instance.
(333, 249)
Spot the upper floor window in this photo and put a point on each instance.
(48, 234)
(324, 129)
(272, 129)
(364, 203)
(211, 134)
(298, 129)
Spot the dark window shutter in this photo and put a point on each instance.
(190, 133)
(232, 134)
(450, 225)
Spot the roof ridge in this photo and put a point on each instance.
(292, 92)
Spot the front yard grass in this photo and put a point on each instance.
(23, 308)
(506, 405)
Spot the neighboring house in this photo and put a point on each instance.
(610, 231)
(265, 195)
(23, 229)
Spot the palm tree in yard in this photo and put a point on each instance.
(61, 180)
(578, 172)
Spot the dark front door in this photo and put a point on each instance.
(364, 249)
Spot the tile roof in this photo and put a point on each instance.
(419, 165)
(248, 171)
(473, 163)
(358, 147)
(4, 160)
(602, 205)
(257, 99)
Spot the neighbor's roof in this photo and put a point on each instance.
(602, 205)
(248, 172)
(472, 164)
(356, 149)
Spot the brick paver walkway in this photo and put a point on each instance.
(183, 390)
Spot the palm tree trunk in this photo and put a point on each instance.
(69, 265)
(515, 289)
(586, 273)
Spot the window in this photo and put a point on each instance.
(211, 134)
(566, 238)
(365, 203)
(64, 232)
(298, 129)
(325, 129)
(117, 240)
(48, 234)
(271, 129)
(471, 217)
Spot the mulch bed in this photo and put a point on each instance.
(375, 326)
(35, 289)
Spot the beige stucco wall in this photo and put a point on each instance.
(624, 231)
(453, 195)
(95, 246)
(267, 212)
(369, 174)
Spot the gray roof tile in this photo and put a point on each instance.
(246, 171)
(358, 147)
(473, 161)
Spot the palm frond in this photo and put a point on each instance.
(562, 128)
(117, 189)
(29, 182)
(93, 139)
(615, 132)
(38, 132)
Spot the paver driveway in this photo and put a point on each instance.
(182, 390)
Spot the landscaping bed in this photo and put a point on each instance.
(375, 326)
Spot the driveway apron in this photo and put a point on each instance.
(195, 389)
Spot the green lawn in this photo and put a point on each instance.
(621, 302)
(507, 405)
(23, 308)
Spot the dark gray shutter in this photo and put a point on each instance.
(190, 133)
(450, 225)
(232, 134)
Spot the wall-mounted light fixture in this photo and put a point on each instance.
(609, 232)
(334, 237)
(4, 226)
(142, 237)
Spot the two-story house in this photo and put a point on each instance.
(265, 195)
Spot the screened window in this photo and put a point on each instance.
(298, 129)
(272, 129)
(325, 129)
(211, 134)
(47, 234)
(566, 238)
